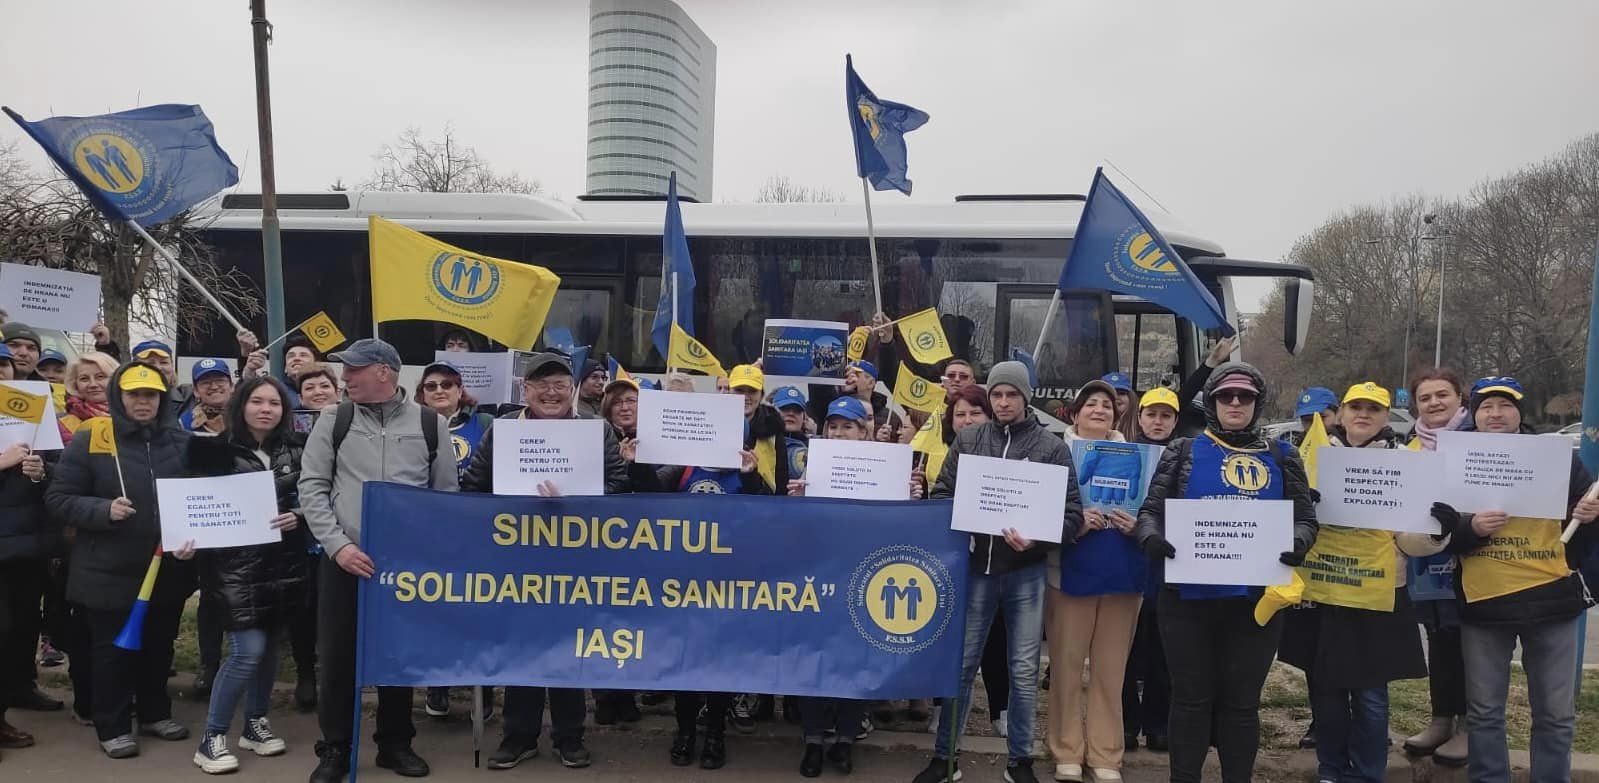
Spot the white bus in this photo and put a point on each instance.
(988, 263)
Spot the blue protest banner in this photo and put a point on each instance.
(1114, 474)
(681, 592)
(814, 349)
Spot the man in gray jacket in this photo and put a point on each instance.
(376, 435)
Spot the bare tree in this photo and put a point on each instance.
(779, 189)
(442, 165)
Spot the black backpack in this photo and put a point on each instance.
(345, 416)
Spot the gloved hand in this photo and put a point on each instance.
(1156, 547)
(1448, 519)
(1116, 475)
(1296, 556)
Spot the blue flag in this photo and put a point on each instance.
(144, 165)
(1020, 355)
(674, 258)
(1117, 249)
(579, 356)
(559, 338)
(879, 128)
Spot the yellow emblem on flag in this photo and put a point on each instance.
(924, 337)
(929, 440)
(102, 437)
(1315, 439)
(324, 334)
(914, 391)
(857, 344)
(416, 277)
(690, 354)
(22, 405)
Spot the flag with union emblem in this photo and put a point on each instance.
(856, 350)
(21, 405)
(914, 391)
(1117, 249)
(879, 128)
(417, 277)
(102, 436)
(688, 353)
(145, 165)
(1315, 439)
(929, 440)
(924, 336)
(323, 333)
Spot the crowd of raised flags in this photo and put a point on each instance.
(148, 165)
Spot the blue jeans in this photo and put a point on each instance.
(1549, 656)
(1351, 734)
(1020, 596)
(247, 675)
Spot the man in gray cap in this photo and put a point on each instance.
(394, 439)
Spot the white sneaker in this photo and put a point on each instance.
(258, 737)
(1106, 775)
(1069, 773)
(213, 757)
(1002, 723)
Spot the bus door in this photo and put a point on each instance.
(1080, 345)
(584, 312)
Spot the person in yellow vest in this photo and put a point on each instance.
(1519, 584)
(1351, 641)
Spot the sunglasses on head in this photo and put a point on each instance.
(446, 385)
(1231, 397)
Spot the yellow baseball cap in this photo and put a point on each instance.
(1370, 392)
(140, 377)
(747, 376)
(1160, 395)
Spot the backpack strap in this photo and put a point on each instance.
(343, 417)
(430, 433)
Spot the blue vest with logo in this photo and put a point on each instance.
(1220, 471)
(797, 451)
(464, 438)
(711, 481)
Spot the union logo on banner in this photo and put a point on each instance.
(901, 599)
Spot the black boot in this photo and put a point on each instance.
(842, 757)
(682, 750)
(714, 754)
(811, 762)
(333, 763)
(403, 760)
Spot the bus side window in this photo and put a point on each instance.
(1147, 348)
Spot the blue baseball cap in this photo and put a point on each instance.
(1315, 400)
(847, 407)
(786, 397)
(152, 345)
(5, 352)
(52, 355)
(1496, 385)
(366, 352)
(865, 367)
(206, 367)
(1118, 381)
(444, 366)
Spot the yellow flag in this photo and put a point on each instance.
(1314, 439)
(914, 391)
(22, 405)
(1277, 598)
(58, 392)
(416, 277)
(929, 440)
(324, 334)
(102, 438)
(924, 336)
(766, 463)
(857, 343)
(690, 354)
(1351, 567)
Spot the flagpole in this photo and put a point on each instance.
(1049, 316)
(184, 272)
(286, 333)
(871, 245)
(674, 321)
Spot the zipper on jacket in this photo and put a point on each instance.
(988, 569)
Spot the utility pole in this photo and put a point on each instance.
(271, 239)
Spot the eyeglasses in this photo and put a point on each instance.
(433, 386)
(1235, 397)
(548, 386)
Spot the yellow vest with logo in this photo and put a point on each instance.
(1525, 553)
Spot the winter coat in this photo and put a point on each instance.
(479, 476)
(26, 530)
(1025, 440)
(260, 586)
(109, 559)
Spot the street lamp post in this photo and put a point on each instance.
(1410, 315)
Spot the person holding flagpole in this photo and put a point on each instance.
(104, 487)
(28, 540)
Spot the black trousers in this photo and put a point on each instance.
(120, 678)
(303, 621)
(23, 584)
(208, 632)
(336, 680)
(1446, 669)
(843, 716)
(1145, 709)
(524, 713)
(1219, 659)
(687, 706)
(73, 639)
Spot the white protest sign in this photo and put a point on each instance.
(570, 453)
(218, 512)
(50, 298)
(1521, 475)
(857, 470)
(1379, 489)
(992, 494)
(1229, 541)
(46, 435)
(485, 376)
(690, 428)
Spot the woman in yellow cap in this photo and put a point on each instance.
(1351, 641)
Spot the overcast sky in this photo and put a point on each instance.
(1250, 121)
